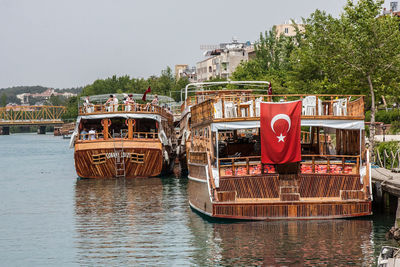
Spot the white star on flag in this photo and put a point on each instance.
(281, 138)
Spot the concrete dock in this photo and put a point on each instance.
(386, 189)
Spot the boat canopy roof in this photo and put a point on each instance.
(212, 87)
(335, 124)
(103, 98)
(121, 115)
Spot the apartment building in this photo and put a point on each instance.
(222, 62)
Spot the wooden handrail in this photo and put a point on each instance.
(125, 108)
(343, 163)
(208, 109)
(100, 136)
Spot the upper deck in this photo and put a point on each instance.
(98, 105)
(239, 106)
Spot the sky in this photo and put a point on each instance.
(71, 43)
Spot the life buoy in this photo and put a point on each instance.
(127, 123)
(108, 122)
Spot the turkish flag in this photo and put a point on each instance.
(280, 132)
(270, 89)
(145, 93)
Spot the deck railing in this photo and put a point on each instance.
(242, 166)
(100, 136)
(199, 157)
(125, 108)
(244, 106)
(338, 164)
(311, 164)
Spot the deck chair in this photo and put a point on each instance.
(309, 106)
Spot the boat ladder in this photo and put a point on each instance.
(119, 159)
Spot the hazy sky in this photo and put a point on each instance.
(71, 43)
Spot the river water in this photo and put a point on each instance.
(48, 217)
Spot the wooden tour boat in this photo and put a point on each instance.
(123, 140)
(227, 178)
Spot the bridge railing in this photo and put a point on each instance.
(30, 114)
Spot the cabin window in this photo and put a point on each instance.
(99, 158)
(137, 158)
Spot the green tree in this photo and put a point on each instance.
(55, 100)
(71, 109)
(3, 100)
(355, 53)
(272, 60)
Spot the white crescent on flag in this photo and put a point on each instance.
(280, 117)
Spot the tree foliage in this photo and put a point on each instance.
(356, 53)
(165, 84)
(3, 100)
(272, 61)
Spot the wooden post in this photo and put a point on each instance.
(328, 165)
(358, 165)
(104, 122)
(247, 166)
(239, 112)
(313, 164)
(343, 165)
(223, 107)
(318, 141)
(130, 129)
(348, 105)
(254, 106)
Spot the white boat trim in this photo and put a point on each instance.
(200, 210)
(197, 179)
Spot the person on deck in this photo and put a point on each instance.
(88, 106)
(131, 102)
(115, 103)
(92, 134)
(84, 134)
(154, 102)
(109, 103)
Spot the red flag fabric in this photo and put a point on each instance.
(270, 89)
(145, 93)
(280, 132)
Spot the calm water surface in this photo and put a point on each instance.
(48, 217)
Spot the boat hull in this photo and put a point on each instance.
(267, 204)
(88, 165)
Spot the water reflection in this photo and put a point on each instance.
(298, 242)
(132, 222)
(284, 243)
(148, 222)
